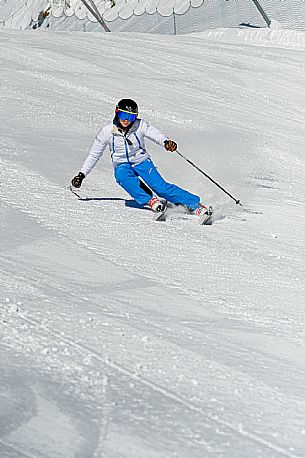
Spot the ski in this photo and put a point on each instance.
(204, 220)
(161, 216)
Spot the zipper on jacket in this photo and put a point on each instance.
(126, 149)
(112, 148)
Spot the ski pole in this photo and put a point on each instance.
(207, 176)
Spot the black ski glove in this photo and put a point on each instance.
(77, 180)
(170, 145)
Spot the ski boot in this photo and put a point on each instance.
(204, 214)
(156, 205)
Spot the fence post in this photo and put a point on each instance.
(262, 12)
(174, 21)
(95, 12)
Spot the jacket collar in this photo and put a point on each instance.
(117, 131)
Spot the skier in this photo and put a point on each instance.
(132, 163)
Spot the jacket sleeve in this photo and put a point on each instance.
(96, 151)
(153, 133)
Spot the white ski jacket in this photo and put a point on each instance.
(124, 147)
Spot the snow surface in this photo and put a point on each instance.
(123, 337)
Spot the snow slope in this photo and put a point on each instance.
(121, 337)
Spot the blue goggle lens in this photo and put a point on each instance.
(124, 116)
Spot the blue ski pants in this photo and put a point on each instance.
(127, 175)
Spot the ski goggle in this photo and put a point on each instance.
(126, 115)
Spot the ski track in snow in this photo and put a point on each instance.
(174, 338)
(60, 337)
(41, 201)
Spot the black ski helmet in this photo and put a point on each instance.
(127, 105)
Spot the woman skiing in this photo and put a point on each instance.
(132, 163)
